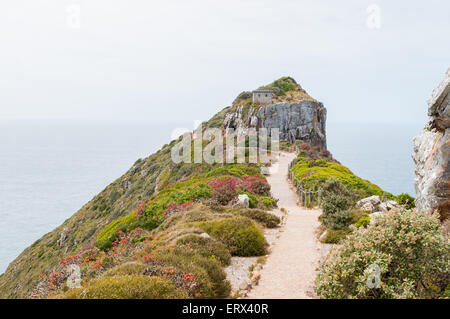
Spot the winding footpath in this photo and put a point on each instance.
(291, 266)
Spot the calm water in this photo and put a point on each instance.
(47, 172)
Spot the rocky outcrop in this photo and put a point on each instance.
(300, 120)
(374, 204)
(431, 155)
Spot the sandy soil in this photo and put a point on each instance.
(291, 266)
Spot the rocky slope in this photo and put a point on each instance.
(431, 154)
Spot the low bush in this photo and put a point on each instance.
(357, 214)
(256, 184)
(409, 250)
(109, 233)
(338, 220)
(224, 190)
(314, 173)
(207, 247)
(239, 234)
(127, 287)
(265, 218)
(334, 203)
(363, 222)
(335, 236)
(207, 279)
(406, 200)
(269, 202)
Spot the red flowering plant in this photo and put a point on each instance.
(175, 208)
(255, 184)
(88, 262)
(224, 190)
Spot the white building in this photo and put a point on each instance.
(262, 96)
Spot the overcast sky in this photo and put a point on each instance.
(172, 61)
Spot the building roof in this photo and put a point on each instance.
(262, 91)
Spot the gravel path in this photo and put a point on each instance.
(291, 267)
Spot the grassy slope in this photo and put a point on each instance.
(117, 200)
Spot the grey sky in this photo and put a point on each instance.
(172, 61)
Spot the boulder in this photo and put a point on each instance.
(368, 207)
(391, 204)
(323, 236)
(369, 203)
(243, 201)
(383, 207)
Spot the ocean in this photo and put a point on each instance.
(48, 171)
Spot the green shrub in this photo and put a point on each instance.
(267, 219)
(363, 222)
(357, 214)
(109, 233)
(313, 174)
(269, 202)
(335, 236)
(209, 277)
(406, 200)
(127, 287)
(239, 234)
(335, 203)
(243, 96)
(207, 247)
(338, 220)
(410, 250)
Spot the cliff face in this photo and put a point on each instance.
(431, 155)
(299, 120)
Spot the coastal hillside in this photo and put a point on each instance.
(167, 230)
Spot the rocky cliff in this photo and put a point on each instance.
(297, 115)
(431, 155)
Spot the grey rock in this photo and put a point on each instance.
(243, 201)
(244, 286)
(383, 207)
(303, 120)
(391, 204)
(323, 236)
(204, 235)
(431, 154)
(62, 237)
(369, 203)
